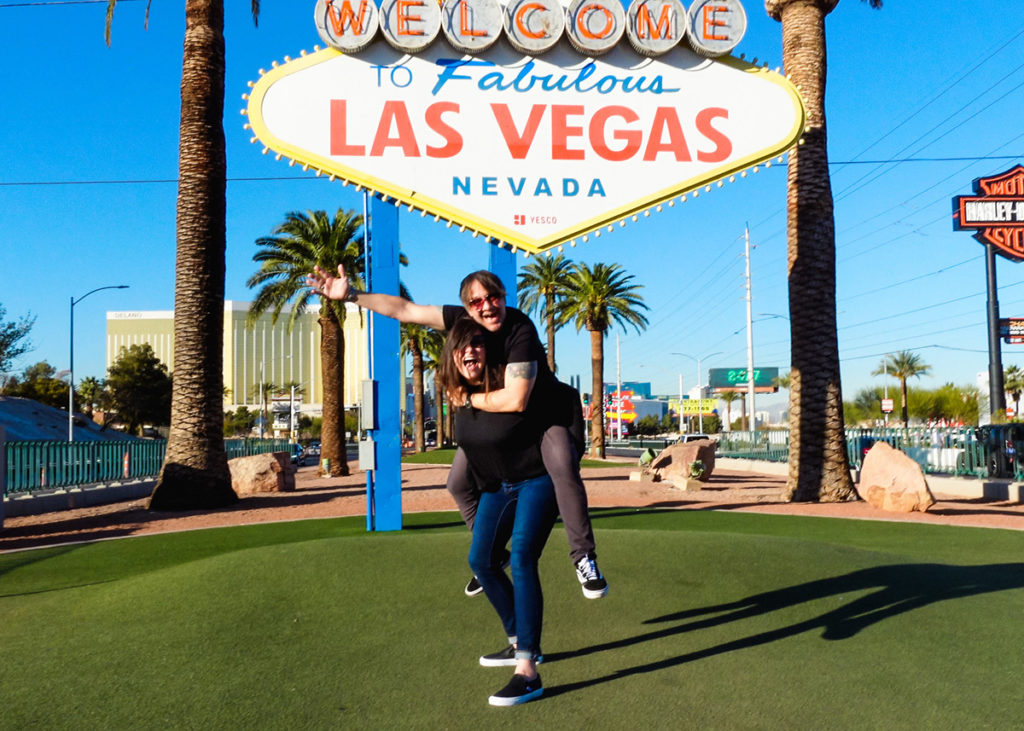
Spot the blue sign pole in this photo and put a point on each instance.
(387, 370)
(502, 262)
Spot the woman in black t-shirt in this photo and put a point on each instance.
(517, 506)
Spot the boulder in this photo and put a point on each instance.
(890, 480)
(262, 473)
(673, 464)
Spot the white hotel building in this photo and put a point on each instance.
(266, 352)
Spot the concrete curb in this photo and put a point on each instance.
(76, 497)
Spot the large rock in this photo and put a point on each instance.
(673, 464)
(262, 473)
(890, 480)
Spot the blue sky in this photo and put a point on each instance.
(916, 93)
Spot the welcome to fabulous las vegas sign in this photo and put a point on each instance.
(531, 124)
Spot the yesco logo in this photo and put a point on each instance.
(653, 27)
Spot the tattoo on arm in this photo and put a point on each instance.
(525, 371)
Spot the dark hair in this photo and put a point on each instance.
(448, 376)
(488, 280)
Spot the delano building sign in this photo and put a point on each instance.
(531, 124)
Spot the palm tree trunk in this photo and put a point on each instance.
(195, 470)
(550, 300)
(903, 403)
(342, 470)
(333, 428)
(818, 466)
(417, 397)
(597, 394)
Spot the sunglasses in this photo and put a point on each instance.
(477, 303)
(477, 341)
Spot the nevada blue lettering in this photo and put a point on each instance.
(489, 186)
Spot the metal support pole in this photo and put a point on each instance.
(618, 389)
(387, 484)
(750, 339)
(681, 416)
(71, 374)
(997, 395)
(71, 356)
(700, 401)
(502, 263)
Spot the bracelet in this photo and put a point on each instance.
(351, 294)
(469, 401)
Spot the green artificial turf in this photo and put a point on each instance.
(714, 620)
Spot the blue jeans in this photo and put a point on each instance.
(526, 512)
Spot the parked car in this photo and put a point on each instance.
(693, 437)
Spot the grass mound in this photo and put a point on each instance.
(714, 620)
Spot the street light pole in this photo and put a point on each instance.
(71, 357)
(700, 388)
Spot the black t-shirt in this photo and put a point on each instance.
(499, 447)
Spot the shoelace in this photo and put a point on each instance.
(588, 569)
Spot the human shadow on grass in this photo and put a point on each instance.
(897, 589)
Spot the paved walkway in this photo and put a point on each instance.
(423, 490)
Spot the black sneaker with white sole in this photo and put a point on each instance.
(593, 582)
(473, 587)
(504, 658)
(519, 690)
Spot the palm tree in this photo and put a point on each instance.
(90, 391)
(595, 299)
(728, 397)
(300, 242)
(818, 465)
(416, 339)
(542, 283)
(902, 365)
(264, 393)
(1013, 382)
(195, 470)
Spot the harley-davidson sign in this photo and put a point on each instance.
(531, 151)
(996, 212)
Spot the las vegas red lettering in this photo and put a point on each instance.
(613, 132)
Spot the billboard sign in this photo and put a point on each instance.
(735, 379)
(698, 405)
(996, 212)
(619, 404)
(1011, 330)
(529, 146)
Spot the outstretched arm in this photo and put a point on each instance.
(519, 380)
(389, 305)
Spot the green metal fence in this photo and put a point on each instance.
(951, 451)
(46, 465)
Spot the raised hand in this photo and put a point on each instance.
(335, 288)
